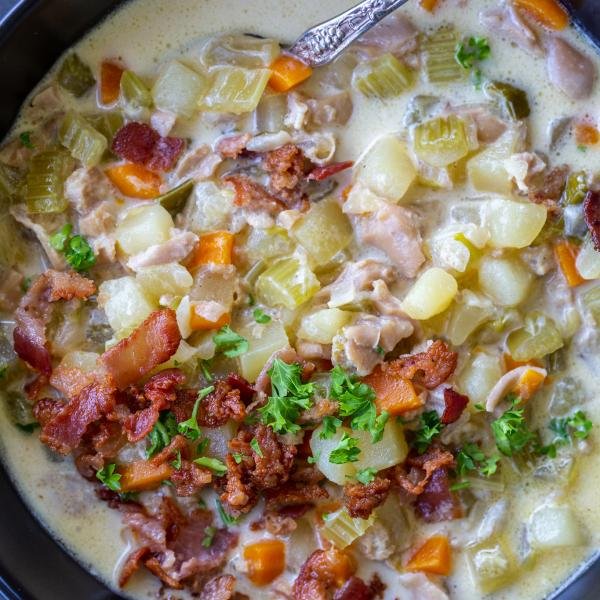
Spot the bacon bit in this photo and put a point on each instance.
(250, 194)
(190, 478)
(354, 589)
(154, 566)
(287, 167)
(150, 345)
(177, 444)
(361, 500)
(455, 403)
(132, 564)
(586, 134)
(322, 571)
(437, 502)
(294, 494)
(429, 369)
(321, 173)
(231, 146)
(69, 381)
(165, 153)
(551, 190)
(591, 213)
(425, 466)
(221, 588)
(110, 82)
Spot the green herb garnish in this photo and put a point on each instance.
(238, 457)
(164, 430)
(256, 447)
(226, 518)
(511, 431)
(77, 251)
(329, 427)
(109, 477)
(346, 451)
(229, 342)
(366, 475)
(190, 428)
(177, 462)
(209, 534)
(260, 316)
(430, 428)
(214, 464)
(474, 50)
(25, 139)
(472, 458)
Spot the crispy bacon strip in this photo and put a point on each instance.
(150, 345)
(326, 171)
(361, 500)
(437, 502)
(354, 589)
(319, 575)
(252, 195)
(426, 465)
(287, 167)
(591, 213)
(34, 313)
(454, 403)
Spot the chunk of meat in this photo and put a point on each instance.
(198, 163)
(378, 542)
(176, 249)
(524, 168)
(392, 230)
(87, 187)
(132, 564)
(505, 21)
(231, 146)
(151, 344)
(286, 166)
(294, 494)
(591, 213)
(569, 70)
(361, 500)
(219, 588)
(163, 121)
(252, 195)
(395, 34)
(429, 369)
(437, 502)
(318, 578)
(550, 189)
(334, 109)
(35, 311)
(454, 404)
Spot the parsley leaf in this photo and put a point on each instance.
(204, 366)
(177, 462)
(190, 428)
(214, 464)
(430, 427)
(580, 424)
(226, 518)
(229, 342)
(511, 431)
(471, 458)
(289, 397)
(366, 475)
(260, 316)
(59, 239)
(330, 425)
(25, 139)
(109, 477)
(238, 457)
(209, 534)
(164, 430)
(577, 425)
(77, 251)
(256, 447)
(459, 485)
(346, 451)
(475, 50)
(311, 460)
(28, 427)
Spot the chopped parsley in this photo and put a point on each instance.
(472, 458)
(289, 397)
(25, 139)
(473, 51)
(177, 462)
(430, 427)
(577, 425)
(311, 460)
(164, 430)
(109, 477)
(26, 283)
(251, 300)
(366, 475)
(209, 534)
(380, 351)
(459, 485)
(229, 342)
(329, 427)
(346, 451)
(77, 251)
(214, 464)
(511, 432)
(190, 428)
(205, 368)
(256, 447)
(238, 457)
(225, 517)
(260, 316)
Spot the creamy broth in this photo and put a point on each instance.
(146, 33)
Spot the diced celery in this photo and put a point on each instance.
(287, 282)
(323, 231)
(341, 529)
(134, 92)
(241, 51)
(479, 376)
(107, 123)
(384, 77)
(441, 141)
(75, 76)
(576, 189)
(513, 100)
(323, 325)
(591, 300)
(554, 527)
(169, 279)
(588, 260)
(143, 226)
(263, 341)
(235, 90)
(537, 338)
(178, 89)
(514, 224)
(430, 295)
(45, 181)
(505, 280)
(267, 244)
(174, 200)
(440, 62)
(83, 141)
(471, 311)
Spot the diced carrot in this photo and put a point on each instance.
(547, 12)
(433, 556)
(143, 475)
(510, 363)
(215, 247)
(110, 82)
(396, 395)
(135, 181)
(265, 561)
(343, 565)
(201, 323)
(429, 5)
(287, 72)
(346, 192)
(586, 134)
(529, 383)
(566, 254)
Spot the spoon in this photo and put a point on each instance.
(321, 44)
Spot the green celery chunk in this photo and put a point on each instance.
(75, 76)
(512, 99)
(241, 51)
(134, 92)
(107, 123)
(235, 90)
(45, 182)
(85, 143)
(591, 300)
(536, 339)
(441, 141)
(576, 189)
(384, 77)
(341, 529)
(441, 65)
(174, 200)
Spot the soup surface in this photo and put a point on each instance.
(275, 332)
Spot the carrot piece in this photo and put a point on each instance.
(135, 181)
(110, 82)
(566, 254)
(510, 363)
(432, 557)
(429, 5)
(143, 475)
(586, 134)
(265, 561)
(287, 72)
(396, 395)
(215, 247)
(529, 383)
(342, 565)
(547, 12)
(200, 323)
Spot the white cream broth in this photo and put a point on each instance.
(144, 34)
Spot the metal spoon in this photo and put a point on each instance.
(321, 44)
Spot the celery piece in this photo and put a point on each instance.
(83, 142)
(341, 529)
(241, 51)
(178, 89)
(440, 62)
(174, 200)
(107, 123)
(537, 338)
(466, 316)
(45, 181)
(267, 244)
(591, 300)
(512, 99)
(134, 92)
(441, 141)
(235, 90)
(75, 76)
(384, 77)
(576, 189)
(288, 282)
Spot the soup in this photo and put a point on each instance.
(271, 331)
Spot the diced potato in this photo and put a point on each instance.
(448, 252)
(479, 376)
(84, 361)
(178, 89)
(125, 303)
(490, 567)
(471, 311)
(170, 279)
(209, 208)
(266, 244)
(341, 529)
(218, 439)
(505, 280)
(387, 169)
(362, 200)
(143, 227)
(588, 260)
(430, 295)
(323, 231)
(554, 527)
(263, 341)
(514, 224)
(323, 325)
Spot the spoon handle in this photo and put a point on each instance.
(322, 43)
